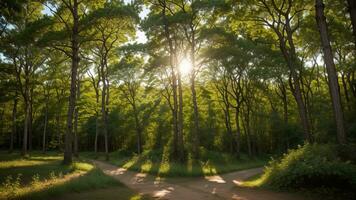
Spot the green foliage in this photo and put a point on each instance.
(311, 167)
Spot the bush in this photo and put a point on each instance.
(311, 167)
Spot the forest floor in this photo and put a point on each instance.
(224, 186)
(42, 176)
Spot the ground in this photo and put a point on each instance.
(43, 177)
(209, 187)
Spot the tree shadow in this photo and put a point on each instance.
(92, 179)
(27, 172)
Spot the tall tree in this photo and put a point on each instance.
(352, 11)
(331, 70)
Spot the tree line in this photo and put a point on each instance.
(265, 75)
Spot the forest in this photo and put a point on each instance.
(178, 88)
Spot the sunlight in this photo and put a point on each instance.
(185, 67)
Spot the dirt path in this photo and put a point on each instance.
(208, 188)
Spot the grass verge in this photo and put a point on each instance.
(44, 177)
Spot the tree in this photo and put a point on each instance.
(352, 11)
(283, 19)
(26, 58)
(331, 70)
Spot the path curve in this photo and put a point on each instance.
(208, 188)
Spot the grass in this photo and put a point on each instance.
(253, 181)
(159, 164)
(317, 170)
(44, 177)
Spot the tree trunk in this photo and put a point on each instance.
(138, 130)
(196, 120)
(352, 11)
(238, 131)
(76, 112)
(331, 70)
(103, 105)
(228, 127)
(72, 98)
(45, 127)
(96, 134)
(14, 127)
(30, 121)
(97, 121)
(75, 133)
(25, 132)
(248, 131)
(180, 119)
(58, 129)
(177, 126)
(175, 115)
(290, 56)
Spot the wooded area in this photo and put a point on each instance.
(254, 77)
(179, 88)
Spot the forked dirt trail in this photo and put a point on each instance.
(207, 188)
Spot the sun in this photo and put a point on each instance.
(185, 67)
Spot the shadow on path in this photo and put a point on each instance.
(208, 187)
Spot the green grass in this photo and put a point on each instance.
(253, 181)
(159, 164)
(43, 176)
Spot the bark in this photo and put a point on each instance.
(238, 131)
(175, 115)
(96, 134)
(228, 127)
(331, 71)
(138, 127)
(283, 96)
(103, 105)
(104, 118)
(352, 11)
(295, 81)
(223, 90)
(195, 104)
(237, 94)
(45, 126)
(30, 121)
(177, 110)
(180, 119)
(248, 130)
(282, 27)
(25, 132)
(97, 96)
(352, 82)
(76, 112)
(14, 127)
(344, 86)
(72, 98)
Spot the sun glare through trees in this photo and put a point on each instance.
(94, 93)
(185, 67)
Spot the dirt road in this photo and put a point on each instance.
(207, 188)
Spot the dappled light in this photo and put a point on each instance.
(177, 99)
(139, 177)
(41, 176)
(163, 193)
(216, 179)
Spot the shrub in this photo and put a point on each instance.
(311, 167)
